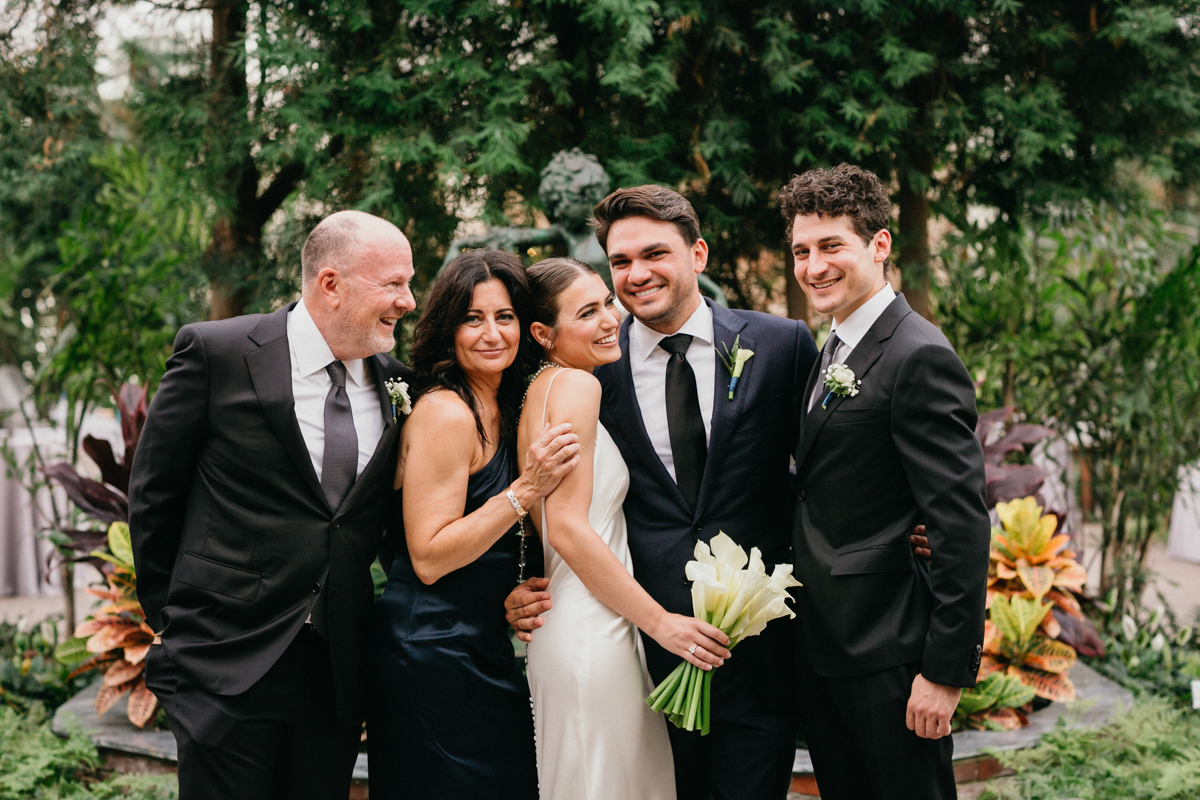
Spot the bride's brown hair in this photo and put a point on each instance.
(548, 279)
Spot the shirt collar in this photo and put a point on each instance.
(310, 351)
(855, 326)
(645, 339)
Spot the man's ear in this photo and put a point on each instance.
(699, 256)
(329, 286)
(881, 246)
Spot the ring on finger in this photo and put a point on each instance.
(692, 650)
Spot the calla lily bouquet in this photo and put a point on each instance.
(733, 592)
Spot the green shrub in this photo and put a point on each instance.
(1152, 752)
(29, 672)
(37, 765)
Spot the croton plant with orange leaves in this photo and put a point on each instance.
(116, 638)
(1032, 571)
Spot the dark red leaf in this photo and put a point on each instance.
(1007, 482)
(131, 403)
(115, 473)
(987, 421)
(1080, 634)
(94, 499)
(1014, 440)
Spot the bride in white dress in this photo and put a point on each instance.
(596, 737)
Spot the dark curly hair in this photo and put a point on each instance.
(844, 191)
(656, 202)
(432, 352)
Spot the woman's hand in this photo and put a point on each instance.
(551, 456)
(524, 606)
(700, 643)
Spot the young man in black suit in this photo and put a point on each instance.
(887, 640)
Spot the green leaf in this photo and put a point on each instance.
(120, 544)
(72, 651)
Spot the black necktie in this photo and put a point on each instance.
(340, 464)
(820, 389)
(689, 443)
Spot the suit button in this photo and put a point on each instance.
(801, 496)
(316, 588)
(337, 523)
(699, 528)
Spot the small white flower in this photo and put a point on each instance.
(398, 391)
(840, 380)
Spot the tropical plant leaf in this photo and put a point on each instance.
(111, 636)
(86, 628)
(142, 704)
(1050, 626)
(120, 544)
(988, 665)
(95, 662)
(1072, 577)
(122, 672)
(1006, 719)
(108, 695)
(1029, 614)
(1038, 543)
(1037, 580)
(1048, 685)
(1050, 655)
(991, 637)
(1057, 543)
(1011, 481)
(1067, 602)
(982, 696)
(1080, 634)
(1005, 618)
(72, 651)
(135, 654)
(93, 498)
(1012, 693)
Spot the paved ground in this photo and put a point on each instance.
(1179, 581)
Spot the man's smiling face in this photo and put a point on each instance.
(377, 294)
(835, 267)
(654, 271)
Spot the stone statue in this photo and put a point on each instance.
(572, 184)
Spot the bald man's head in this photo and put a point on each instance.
(357, 269)
(337, 238)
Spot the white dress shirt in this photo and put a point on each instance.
(310, 386)
(648, 362)
(852, 330)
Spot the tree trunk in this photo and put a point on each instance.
(913, 259)
(797, 300)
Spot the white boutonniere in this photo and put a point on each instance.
(398, 391)
(840, 381)
(734, 359)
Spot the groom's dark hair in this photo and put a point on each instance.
(656, 202)
(844, 191)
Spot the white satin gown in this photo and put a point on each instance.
(596, 737)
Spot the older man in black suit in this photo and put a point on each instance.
(887, 440)
(257, 500)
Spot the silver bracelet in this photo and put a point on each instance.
(516, 504)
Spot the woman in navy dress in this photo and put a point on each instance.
(448, 706)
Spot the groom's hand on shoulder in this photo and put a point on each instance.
(524, 606)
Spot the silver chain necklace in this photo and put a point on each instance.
(524, 534)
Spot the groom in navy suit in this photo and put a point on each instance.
(699, 463)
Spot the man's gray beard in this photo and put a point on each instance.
(369, 341)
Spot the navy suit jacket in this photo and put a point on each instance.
(745, 489)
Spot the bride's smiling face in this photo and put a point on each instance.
(585, 334)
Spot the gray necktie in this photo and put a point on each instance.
(820, 390)
(340, 464)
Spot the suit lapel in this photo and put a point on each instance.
(629, 415)
(727, 328)
(860, 361)
(271, 373)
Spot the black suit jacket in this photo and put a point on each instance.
(744, 490)
(233, 538)
(870, 467)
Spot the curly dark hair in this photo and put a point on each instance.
(656, 202)
(432, 353)
(844, 191)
